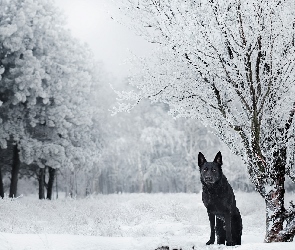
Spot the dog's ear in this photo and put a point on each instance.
(218, 158)
(201, 159)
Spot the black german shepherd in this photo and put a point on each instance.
(219, 199)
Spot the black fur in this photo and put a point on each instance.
(219, 199)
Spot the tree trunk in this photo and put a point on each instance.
(14, 172)
(41, 179)
(140, 175)
(56, 186)
(1, 185)
(274, 201)
(276, 214)
(50, 183)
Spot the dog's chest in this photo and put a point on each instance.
(215, 203)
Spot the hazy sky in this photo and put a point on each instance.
(112, 43)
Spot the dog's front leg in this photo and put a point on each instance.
(228, 229)
(212, 226)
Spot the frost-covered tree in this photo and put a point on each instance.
(231, 65)
(46, 79)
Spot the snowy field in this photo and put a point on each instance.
(124, 222)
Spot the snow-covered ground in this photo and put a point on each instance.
(123, 222)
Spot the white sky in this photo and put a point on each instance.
(112, 43)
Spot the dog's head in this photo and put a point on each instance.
(210, 172)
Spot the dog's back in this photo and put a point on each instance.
(219, 199)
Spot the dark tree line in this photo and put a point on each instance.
(13, 169)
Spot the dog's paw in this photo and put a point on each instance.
(210, 242)
(230, 243)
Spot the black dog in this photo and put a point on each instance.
(219, 199)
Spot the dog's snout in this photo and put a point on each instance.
(208, 178)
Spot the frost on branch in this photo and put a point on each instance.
(131, 97)
(47, 80)
(231, 65)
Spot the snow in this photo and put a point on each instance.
(124, 222)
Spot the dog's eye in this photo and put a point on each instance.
(205, 169)
(214, 170)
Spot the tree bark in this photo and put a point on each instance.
(56, 186)
(1, 185)
(275, 210)
(41, 179)
(50, 183)
(14, 172)
(276, 213)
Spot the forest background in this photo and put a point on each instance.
(145, 151)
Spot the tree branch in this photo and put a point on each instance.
(258, 61)
(290, 120)
(241, 28)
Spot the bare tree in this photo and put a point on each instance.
(231, 65)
